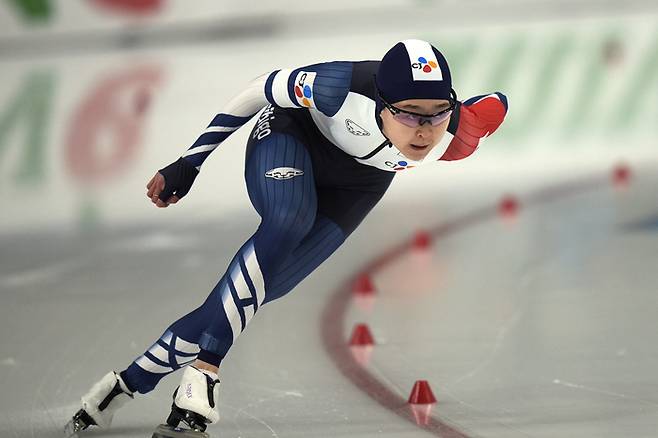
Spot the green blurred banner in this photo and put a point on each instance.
(33, 10)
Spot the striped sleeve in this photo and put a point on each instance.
(236, 113)
(478, 118)
(321, 86)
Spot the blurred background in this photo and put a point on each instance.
(558, 311)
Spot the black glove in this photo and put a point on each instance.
(179, 177)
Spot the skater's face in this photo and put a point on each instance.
(415, 140)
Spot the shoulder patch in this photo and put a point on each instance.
(303, 88)
(322, 86)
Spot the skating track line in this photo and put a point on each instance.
(332, 322)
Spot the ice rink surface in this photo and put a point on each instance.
(542, 325)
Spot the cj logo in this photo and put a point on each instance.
(424, 65)
(355, 129)
(281, 173)
(399, 165)
(303, 91)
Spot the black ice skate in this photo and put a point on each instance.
(99, 404)
(193, 405)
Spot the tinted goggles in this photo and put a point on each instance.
(413, 120)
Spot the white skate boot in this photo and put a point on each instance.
(195, 404)
(100, 404)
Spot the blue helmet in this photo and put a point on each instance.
(413, 69)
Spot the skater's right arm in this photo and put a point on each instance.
(320, 86)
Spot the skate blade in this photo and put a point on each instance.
(166, 431)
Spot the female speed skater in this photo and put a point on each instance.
(326, 145)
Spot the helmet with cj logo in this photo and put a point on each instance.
(413, 69)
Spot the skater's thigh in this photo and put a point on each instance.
(279, 177)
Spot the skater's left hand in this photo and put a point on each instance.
(155, 186)
(171, 183)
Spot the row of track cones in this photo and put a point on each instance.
(421, 399)
(509, 206)
(508, 209)
(362, 342)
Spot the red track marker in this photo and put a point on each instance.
(361, 336)
(363, 285)
(621, 175)
(421, 394)
(508, 207)
(422, 240)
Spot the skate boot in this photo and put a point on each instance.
(100, 404)
(195, 405)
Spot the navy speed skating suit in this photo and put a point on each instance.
(317, 162)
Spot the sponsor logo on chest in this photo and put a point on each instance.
(355, 129)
